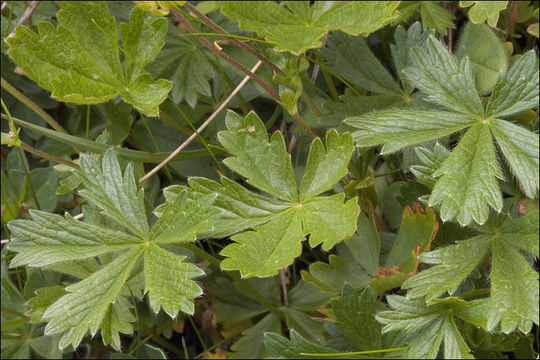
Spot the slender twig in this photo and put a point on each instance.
(202, 127)
(79, 216)
(220, 30)
(4, 241)
(25, 16)
(226, 57)
(46, 155)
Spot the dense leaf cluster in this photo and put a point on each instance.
(372, 192)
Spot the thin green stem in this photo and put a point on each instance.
(48, 156)
(474, 293)
(13, 312)
(199, 337)
(356, 352)
(310, 103)
(160, 341)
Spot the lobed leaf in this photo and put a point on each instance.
(468, 184)
(47, 239)
(444, 80)
(114, 193)
(88, 301)
(351, 58)
(301, 28)
(168, 281)
(78, 61)
(517, 89)
(484, 10)
(397, 129)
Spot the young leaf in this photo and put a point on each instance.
(94, 302)
(301, 28)
(304, 214)
(484, 10)
(429, 325)
(431, 160)
(78, 61)
(512, 303)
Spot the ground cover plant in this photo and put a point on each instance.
(270, 179)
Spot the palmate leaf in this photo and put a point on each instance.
(429, 325)
(446, 82)
(301, 28)
(94, 302)
(79, 62)
(298, 212)
(514, 302)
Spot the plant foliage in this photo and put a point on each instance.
(369, 189)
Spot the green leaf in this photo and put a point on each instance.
(251, 345)
(484, 10)
(516, 90)
(165, 287)
(142, 39)
(301, 28)
(283, 348)
(429, 325)
(326, 165)
(355, 318)
(350, 57)
(186, 64)
(520, 149)
(240, 208)
(417, 230)
(264, 163)
(513, 301)
(329, 219)
(88, 301)
(266, 249)
(94, 303)
(436, 17)
(486, 54)
(444, 80)
(280, 238)
(116, 195)
(404, 41)
(431, 160)
(48, 239)
(468, 184)
(397, 129)
(117, 320)
(78, 61)
(181, 220)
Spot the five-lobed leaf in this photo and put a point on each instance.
(79, 61)
(513, 303)
(301, 28)
(448, 83)
(429, 325)
(91, 304)
(266, 165)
